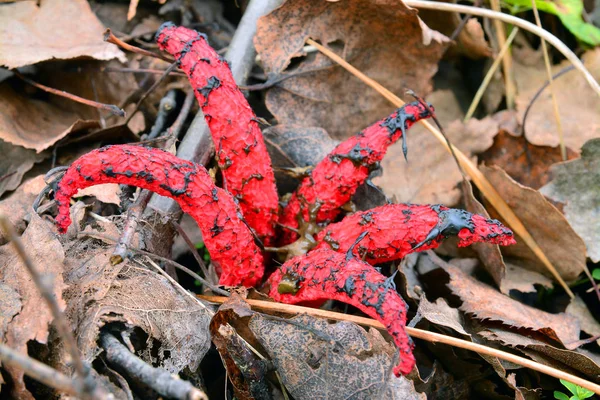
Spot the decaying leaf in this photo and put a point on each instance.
(440, 313)
(34, 317)
(526, 163)
(14, 163)
(318, 360)
(522, 280)
(580, 310)
(366, 33)
(35, 124)
(63, 29)
(577, 183)
(485, 303)
(19, 203)
(563, 247)
(578, 104)
(106, 193)
(433, 178)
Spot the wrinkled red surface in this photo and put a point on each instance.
(394, 230)
(227, 239)
(335, 179)
(240, 148)
(324, 274)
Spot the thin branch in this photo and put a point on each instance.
(561, 138)
(46, 290)
(193, 249)
(160, 380)
(39, 371)
(417, 333)
(110, 38)
(131, 223)
(175, 129)
(488, 76)
(108, 107)
(509, 85)
(521, 23)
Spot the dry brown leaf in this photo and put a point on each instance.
(60, 29)
(106, 193)
(131, 293)
(19, 203)
(325, 360)
(587, 322)
(431, 174)
(572, 361)
(14, 163)
(440, 313)
(522, 280)
(579, 106)
(367, 33)
(489, 254)
(526, 163)
(486, 303)
(35, 124)
(577, 183)
(563, 247)
(34, 317)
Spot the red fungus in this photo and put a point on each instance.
(327, 275)
(227, 238)
(335, 179)
(241, 151)
(395, 230)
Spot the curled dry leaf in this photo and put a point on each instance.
(107, 193)
(485, 303)
(320, 360)
(14, 163)
(35, 124)
(579, 106)
(18, 204)
(440, 313)
(580, 310)
(364, 32)
(561, 244)
(34, 317)
(433, 178)
(60, 29)
(577, 183)
(523, 280)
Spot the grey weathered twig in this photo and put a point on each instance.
(158, 379)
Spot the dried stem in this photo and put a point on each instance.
(561, 139)
(478, 178)
(133, 216)
(488, 76)
(108, 107)
(158, 379)
(110, 38)
(39, 371)
(193, 249)
(416, 333)
(509, 85)
(45, 289)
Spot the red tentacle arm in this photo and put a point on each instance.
(240, 149)
(227, 238)
(392, 231)
(327, 275)
(335, 179)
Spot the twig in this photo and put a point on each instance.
(561, 138)
(476, 175)
(131, 222)
(488, 76)
(521, 23)
(165, 108)
(45, 288)
(159, 258)
(108, 107)
(175, 129)
(151, 89)
(141, 71)
(158, 379)
(272, 81)
(110, 38)
(461, 26)
(509, 85)
(540, 91)
(417, 333)
(193, 249)
(39, 371)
